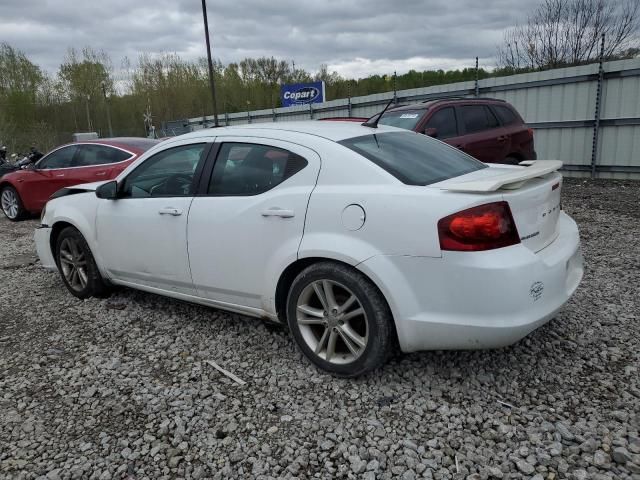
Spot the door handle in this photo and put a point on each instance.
(278, 212)
(100, 174)
(174, 212)
(502, 138)
(60, 175)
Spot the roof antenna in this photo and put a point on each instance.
(374, 123)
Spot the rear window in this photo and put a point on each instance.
(141, 143)
(413, 158)
(506, 115)
(407, 119)
(477, 118)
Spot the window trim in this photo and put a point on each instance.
(203, 188)
(78, 144)
(196, 182)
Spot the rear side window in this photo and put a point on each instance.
(506, 115)
(89, 155)
(444, 121)
(407, 119)
(250, 169)
(476, 118)
(413, 158)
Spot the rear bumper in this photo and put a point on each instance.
(472, 300)
(43, 247)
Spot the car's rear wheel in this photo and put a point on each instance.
(11, 204)
(77, 266)
(339, 319)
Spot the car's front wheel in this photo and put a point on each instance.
(11, 203)
(339, 319)
(77, 267)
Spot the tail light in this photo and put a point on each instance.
(484, 227)
(530, 132)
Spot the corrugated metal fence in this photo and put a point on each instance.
(559, 104)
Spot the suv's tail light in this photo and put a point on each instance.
(484, 227)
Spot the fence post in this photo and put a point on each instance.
(596, 123)
(226, 119)
(310, 112)
(395, 92)
(349, 98)
(477, 86)
(248, 116)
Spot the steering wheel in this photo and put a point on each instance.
(176, 184)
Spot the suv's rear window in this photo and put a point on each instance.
(407, 119)
(413, 158)
(507, 117)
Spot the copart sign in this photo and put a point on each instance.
(302, 93)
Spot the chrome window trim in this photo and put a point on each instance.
(132, 155)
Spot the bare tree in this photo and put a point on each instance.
(568, 32)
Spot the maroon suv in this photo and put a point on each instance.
(488, 129)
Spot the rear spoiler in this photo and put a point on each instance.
(510, 180)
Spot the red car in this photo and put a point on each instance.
(488, 129)
(27, 191)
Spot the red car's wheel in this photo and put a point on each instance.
(11, 204)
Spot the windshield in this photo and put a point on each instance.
(413, 158)
(407, 119)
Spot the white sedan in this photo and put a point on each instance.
(358, 238)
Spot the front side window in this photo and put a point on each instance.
(61, 158)
(407, 119)
(90, 155)
(444, 121)
(169, 173)
(413, 158)
(477, 118)
(251, 169)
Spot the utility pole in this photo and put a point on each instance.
(211, 81)
(477, 89)
(86, 104)
(106, 102)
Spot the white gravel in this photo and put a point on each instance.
(119, 388)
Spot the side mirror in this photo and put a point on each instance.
(108, 191)
(432, 132)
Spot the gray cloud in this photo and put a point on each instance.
(354, 37)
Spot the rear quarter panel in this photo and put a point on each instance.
(399, 219)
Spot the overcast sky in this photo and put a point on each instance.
(354, 37)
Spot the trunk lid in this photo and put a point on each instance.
(535, 208)
(533, 197)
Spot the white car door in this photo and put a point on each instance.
(248, 225)
(142, 235)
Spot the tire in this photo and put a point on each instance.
(73, 254)
(361, 342)
(11, 204)
(511, 160)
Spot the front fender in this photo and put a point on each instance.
(80, 212)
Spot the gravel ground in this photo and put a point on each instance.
(119, 388)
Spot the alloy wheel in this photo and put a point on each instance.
(10, 205)
(74, 264)
(332, 321)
